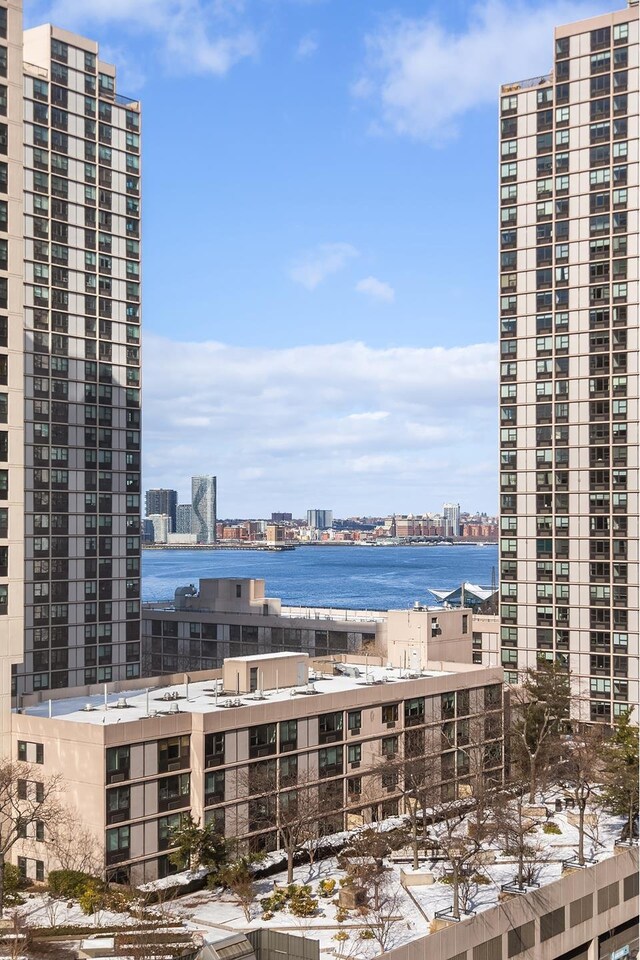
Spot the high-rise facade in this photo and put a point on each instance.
(11, 354)
(451, 518)
(203, 509)
(159, 500)
(569, 443)
(320, 519)
(81, 365)
(183, 518)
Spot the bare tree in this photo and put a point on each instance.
(540, 706)
(290, 803)
(21, 935)
(238, 878)
(383, 913)
(581, 774)
(29, 803)
(72, 845)
(516, 832)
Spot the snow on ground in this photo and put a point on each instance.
(218, 908)
(39, 910)
(208, 910)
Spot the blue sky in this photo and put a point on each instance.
(320, 241)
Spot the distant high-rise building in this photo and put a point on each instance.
(183, 518)
(281, 517)
(161, 523)
(203, 505)
(158, 501)
(451, 517)
(569, 442)
(320, 519)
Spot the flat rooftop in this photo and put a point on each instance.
(207, 696)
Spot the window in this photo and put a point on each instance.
(262, 740)
(521, 938)
(414, 711)
(213, 749)
(174, 791)
(389, 746)
(354, 721)
(354, 753)
(214, 787)
(173, 754)
(330, 726)
(330, 761)
(117, 764)
(117, 844)
(552, 924)
(489, 950)
(608, 897)
(288, 735)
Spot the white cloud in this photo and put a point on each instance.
(316, 265)
(407, 426)
(376, 289)
(370, 415)
(307, 46)
(423, 77)
(189, 36)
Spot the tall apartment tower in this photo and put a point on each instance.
(451, 517)
(569, 343)
(203, 509)
(162, 501)
(81, 365)
(183, 518)
(320, 519)
(11, 355)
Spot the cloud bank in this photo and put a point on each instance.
(422, 77)
(361, 430)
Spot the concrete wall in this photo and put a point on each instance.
(486, 936)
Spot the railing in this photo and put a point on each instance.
(526, 84)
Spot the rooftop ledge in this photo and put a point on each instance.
(538, 81)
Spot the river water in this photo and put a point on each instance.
(358, 577)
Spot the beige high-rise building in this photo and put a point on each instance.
(569, 364)
(11, 355)
(69, 364)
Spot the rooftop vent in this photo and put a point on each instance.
(88, 706)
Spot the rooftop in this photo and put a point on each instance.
(207, 695)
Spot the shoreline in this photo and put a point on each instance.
(288, 547)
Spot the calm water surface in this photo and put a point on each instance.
(358, 577)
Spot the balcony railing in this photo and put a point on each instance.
(537, 81)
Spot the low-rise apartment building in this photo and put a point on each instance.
(227, 617)
(229, 745)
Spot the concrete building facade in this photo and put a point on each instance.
(234, 617)
(136, 761)
(569, 393)
(159, 500)
(451, 518)
(81, 366)
(320, 519)
(183, 518)
(11, 356)
(161, 524)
